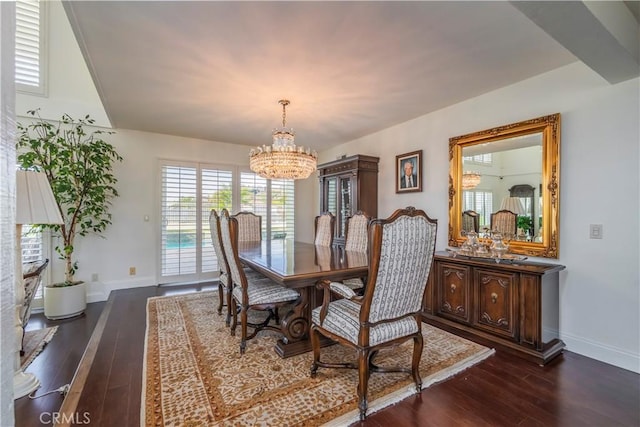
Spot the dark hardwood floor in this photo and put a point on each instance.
(503, 390)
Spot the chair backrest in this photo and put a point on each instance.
(505, 222)
(357, 236)
(325, 225)
(216, 239)
(402, 248)
(249, 226)
(470, 221)
(229, 233)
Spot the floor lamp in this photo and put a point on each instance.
(35, 204)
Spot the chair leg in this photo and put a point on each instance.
(229, 303)
(363, 383)
(315, 345)
(243, 328)
(220, 298)
(234, 316)
(415, 361)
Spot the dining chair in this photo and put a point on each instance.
(325, 225)
(356, 241)
(389, 312)
(470, 221)
(505, 222)
(250, 293)
(249, 226)
(224, 280)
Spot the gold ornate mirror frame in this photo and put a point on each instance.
(549, 127)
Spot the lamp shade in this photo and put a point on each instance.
(35, 203)
(512, 204)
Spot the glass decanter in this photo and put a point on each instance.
(498, 247)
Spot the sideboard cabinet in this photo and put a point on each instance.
(349, 185)
(513, 306)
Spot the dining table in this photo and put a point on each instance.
(300, 266)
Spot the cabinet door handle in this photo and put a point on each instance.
(494, 297)
(453, 288)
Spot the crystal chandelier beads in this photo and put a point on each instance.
(283, 159)
(470, 180)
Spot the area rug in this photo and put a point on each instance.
(194, 375)
(34, 343)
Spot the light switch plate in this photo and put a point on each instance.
(595, 231)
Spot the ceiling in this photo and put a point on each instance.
(216, 70)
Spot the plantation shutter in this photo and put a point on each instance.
(217, 193)
(179, 185)
(29, 67)
(254, 197)
(482, 203)
(282, 208)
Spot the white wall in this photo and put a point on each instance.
(600, 157)
(600, 184)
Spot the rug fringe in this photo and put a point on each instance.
(38, 349)
(398, 395)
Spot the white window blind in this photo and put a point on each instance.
(179, 222)
(282, 208)
(217, 193)
(30, 46)
(253, 197)
(481, 159)
(188, 193)
(482, 203)
(34, 249)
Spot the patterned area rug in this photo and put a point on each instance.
(194, 374)
(34, 343)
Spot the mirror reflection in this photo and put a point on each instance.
(501, 183)
(506, 180)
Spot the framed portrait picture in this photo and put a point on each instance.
(409, 172)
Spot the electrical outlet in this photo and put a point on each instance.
(94, 277)
(595, 231)
(132, 271)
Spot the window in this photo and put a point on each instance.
(479, 159)
(271, 199)
(482, 203)
(34, 249)
(30, 46)
(188, 193)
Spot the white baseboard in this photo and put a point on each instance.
(604, 353)
(99, 291)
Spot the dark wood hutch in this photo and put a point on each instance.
(349, 185)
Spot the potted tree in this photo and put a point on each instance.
(79, 167)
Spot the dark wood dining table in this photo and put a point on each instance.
(300, 265)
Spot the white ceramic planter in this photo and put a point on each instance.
(65, 302)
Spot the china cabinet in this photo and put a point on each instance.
(349, 185)
(509, 305)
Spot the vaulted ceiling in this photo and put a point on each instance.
(216, 70)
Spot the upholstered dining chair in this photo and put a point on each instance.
(249, 226)
(470, 221)
(388, 313)
(505, 222)
(325, 225)
(248, 293)
(356, 241)
(224, 280)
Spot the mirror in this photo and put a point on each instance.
(515, 168)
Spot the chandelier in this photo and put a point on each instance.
(283, 159)
(470, 180)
